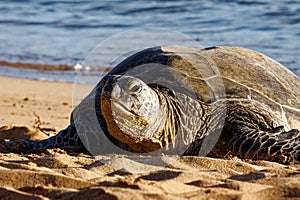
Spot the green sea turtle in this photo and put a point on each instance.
(186, 100)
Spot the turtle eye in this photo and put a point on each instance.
(135, 90)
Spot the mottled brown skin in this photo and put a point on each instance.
(246, 100)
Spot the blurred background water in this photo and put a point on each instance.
(50, 32)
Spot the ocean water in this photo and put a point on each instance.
(50, 32)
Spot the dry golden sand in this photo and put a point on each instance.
(35, 109)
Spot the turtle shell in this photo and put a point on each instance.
(216, 73)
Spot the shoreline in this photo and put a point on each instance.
(44, 67)
(47, 67)
(78, 75)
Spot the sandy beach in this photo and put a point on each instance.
(38, 109)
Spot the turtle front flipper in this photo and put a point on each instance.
(273, 145)
(65, 138)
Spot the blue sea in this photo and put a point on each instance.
(52, 33)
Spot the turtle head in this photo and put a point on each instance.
(133, 112)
